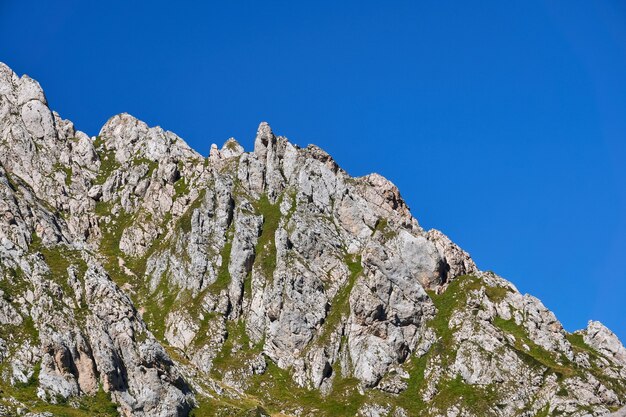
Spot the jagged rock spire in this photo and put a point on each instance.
(264, 139)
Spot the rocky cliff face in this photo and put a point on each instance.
(138, 278)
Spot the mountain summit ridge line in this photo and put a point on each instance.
(139, 278)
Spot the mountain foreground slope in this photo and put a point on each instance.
(138, 278)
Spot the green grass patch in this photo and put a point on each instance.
(108, 163)
(223, 276)
(382, 227)
(544, 412)
(98, 405)
(266, 245)
(231, 145)
(184, 221)
(578, 342)
(59, 258)
(580, 347)
(224, 407)
(30, 386)
(110, 242)
(496, 294)
(226, 358)
(340, 306)
(67, 170)
(410, 399)
(535, 355)
(201, 337)
(181, 187)
(13, 283)
(453, 298)
(152, 165)
(277, 391)
(157, 306)
(480, 400)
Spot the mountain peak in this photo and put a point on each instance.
(131, 138)
(141, 279)
(264, 139)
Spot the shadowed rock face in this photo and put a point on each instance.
(137, 275)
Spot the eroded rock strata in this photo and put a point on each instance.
(138, 278)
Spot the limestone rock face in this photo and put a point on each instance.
(604, 341)
(137, 275)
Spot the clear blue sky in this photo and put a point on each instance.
(503, 123)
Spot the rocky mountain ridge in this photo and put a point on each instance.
(138, 278)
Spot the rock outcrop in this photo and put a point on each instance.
(138, 277)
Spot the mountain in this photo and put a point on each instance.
(139, 278)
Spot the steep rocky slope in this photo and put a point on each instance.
(138, 278)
